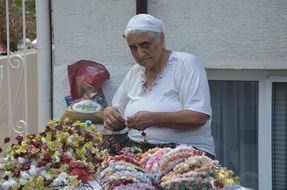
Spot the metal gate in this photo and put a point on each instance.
(18, 86)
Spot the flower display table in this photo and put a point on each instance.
(71, 155)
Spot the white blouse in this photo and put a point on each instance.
(182, 84)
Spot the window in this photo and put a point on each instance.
(234, 126)
(249, 124)
(279, 135)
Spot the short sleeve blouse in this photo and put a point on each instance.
(182, 84)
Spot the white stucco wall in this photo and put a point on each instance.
(227, 34)
(223, 34)
(90, 29)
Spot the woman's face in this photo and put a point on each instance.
(145, 49)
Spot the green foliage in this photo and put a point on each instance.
(15, 21)
(30, 6)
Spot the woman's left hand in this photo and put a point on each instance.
(140, 121)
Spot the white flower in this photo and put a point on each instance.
(5, 185)
(22, 160)
(7, 173)
(70, 139)
(22, 181)
(46, 175)
(69, 154)
(56, 156)
(63, 175)
(67, 188)
(9, 183)
(24, 175)
(61, 179)
(33, 171)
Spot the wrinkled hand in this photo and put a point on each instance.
(113, 119)
(140, 121)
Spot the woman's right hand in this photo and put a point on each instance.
(113, 119)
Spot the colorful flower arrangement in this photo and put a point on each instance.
(69, 155)
(183, 168)
(64, 156)
(123, 172)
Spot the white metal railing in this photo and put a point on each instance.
(18, 62)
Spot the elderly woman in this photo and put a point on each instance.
(164, 99)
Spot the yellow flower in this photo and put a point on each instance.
(228, 182)
(53, 172)
(64, 167)
(39, 181)
(16, 187)
(74, 182)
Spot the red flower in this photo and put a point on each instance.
(110, 140)
(47, 129)
(47, 183)
(76, 164)
(16, 174)
(81, 174)
(7, 140)
(70, 131)
(65, 158)
(82, 143)
(6, 177)
(47, 156)
(218, 184)
(19, 138)
(16, 155)
(35, 144)
(26, 166)
(59, 128)
(41, 163)
(88, 137)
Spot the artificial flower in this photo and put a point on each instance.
(47, 159)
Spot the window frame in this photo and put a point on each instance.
(265, 79)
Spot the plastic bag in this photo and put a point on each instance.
(88, 100)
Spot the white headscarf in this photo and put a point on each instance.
(144, 22)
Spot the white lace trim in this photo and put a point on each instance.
(158, 78)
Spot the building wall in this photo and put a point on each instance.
(227, 34)
(223, 34)
(90, 30)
